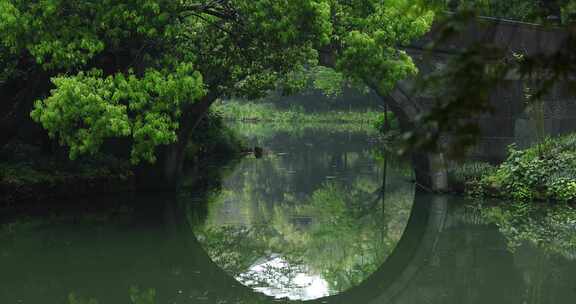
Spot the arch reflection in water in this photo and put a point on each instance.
(305, 224)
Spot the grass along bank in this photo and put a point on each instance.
(545, 171)
(268, 112)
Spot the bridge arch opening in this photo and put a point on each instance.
(412, 252)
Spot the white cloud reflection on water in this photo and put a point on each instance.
(276, 277)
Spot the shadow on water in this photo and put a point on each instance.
(310, 211)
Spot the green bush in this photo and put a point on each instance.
(545, 171)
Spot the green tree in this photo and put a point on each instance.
(145, 70)
(148, 71)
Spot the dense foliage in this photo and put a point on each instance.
(87, 108)
(132, 69)
(149, 70)
(544, 171)
(368, 37)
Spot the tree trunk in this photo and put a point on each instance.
(20, 104)
(164, 175)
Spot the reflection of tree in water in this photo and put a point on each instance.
(550, 228)
(334, 231)
(472, 262)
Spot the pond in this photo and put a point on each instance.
(324, 215)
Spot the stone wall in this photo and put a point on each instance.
(511, 121)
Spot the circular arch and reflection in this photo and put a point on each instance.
(153, 246)
(313, 219)
(412, 252)
(306, 224)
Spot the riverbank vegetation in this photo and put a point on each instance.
(32, 177)
(256, 111)
(545, 171)
(29, 174)
(258, 132)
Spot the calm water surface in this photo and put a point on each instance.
(323, 215)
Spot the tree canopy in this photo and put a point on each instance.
(147, 70)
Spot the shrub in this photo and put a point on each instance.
(544, 171)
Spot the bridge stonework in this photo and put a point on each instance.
(510, 122)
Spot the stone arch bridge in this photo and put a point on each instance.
(509, 123)
(447, 254)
